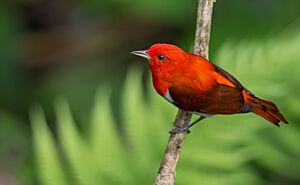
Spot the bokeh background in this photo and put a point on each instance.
(76, 108)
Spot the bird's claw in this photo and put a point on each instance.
(176, 130)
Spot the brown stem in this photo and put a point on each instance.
(167, 171)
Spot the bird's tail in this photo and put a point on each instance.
(266, 109)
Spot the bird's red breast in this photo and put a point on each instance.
(194, 84)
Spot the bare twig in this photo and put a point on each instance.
(167, 171)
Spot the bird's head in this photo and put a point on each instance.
(162, 54)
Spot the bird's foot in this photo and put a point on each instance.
(176, 129)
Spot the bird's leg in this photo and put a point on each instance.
(177, 129)
(196, 121)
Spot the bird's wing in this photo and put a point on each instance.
(220, 99)
(225, 76)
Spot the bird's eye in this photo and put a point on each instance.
(161, 57)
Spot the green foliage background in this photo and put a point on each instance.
(238, 149)
(62, 48)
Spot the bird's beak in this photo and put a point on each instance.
(141, 53)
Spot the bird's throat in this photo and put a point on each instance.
(160, 82)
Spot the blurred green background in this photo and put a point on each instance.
(76, 108)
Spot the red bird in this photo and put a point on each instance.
(196, 85)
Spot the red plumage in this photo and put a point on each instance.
(194, 84)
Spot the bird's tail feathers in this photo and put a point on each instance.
(266, 109)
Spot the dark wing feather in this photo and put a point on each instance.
(232, 79)
(221, 99)
(229, 77)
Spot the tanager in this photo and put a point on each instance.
(194, 84)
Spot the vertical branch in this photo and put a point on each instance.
(167, 171)
(203, 26)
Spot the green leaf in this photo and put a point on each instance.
(75, 147)
(50, 169)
